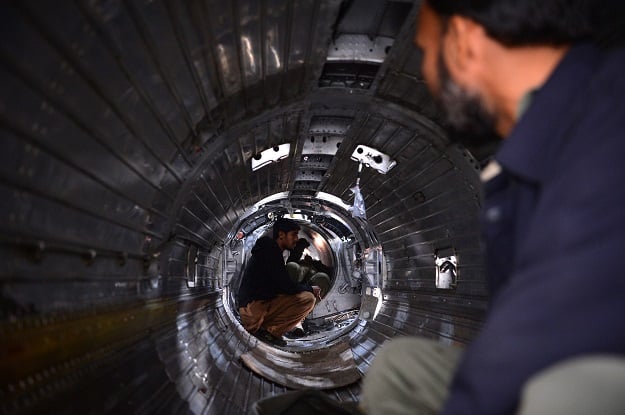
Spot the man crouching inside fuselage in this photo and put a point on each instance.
(270, 302)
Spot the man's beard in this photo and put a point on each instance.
(470, 122)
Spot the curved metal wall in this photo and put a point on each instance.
(127, 131)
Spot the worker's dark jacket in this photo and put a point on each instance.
(554, 222)
(265, 274)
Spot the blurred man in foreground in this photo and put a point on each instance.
(553, 215)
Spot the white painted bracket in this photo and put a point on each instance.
(373, 158)
(270, 155)
(446, 272)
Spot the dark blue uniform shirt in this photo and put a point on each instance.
(554, 230)
(265, 275)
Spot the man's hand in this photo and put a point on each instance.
(317, 292)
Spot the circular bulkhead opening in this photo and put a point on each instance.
(329, 259)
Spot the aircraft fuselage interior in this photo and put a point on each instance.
(146, 146)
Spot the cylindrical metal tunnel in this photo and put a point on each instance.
(147, 144)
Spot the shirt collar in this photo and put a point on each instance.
(524, 104)
(531, 146)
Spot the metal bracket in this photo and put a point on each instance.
(270, 155)
(373, 158)
(446, 272)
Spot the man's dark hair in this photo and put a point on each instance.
(298, 251)
(284, 225)
(526, 22)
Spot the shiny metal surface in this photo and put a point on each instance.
(128, 130)
(323, 368)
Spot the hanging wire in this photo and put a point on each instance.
(358, 209)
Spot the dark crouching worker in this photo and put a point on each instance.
(270, 302)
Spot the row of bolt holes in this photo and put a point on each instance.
(324, 139)
(386, 50)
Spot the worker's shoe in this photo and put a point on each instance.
(264, 335)
(296, 333)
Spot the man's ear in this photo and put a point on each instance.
(462, 43)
